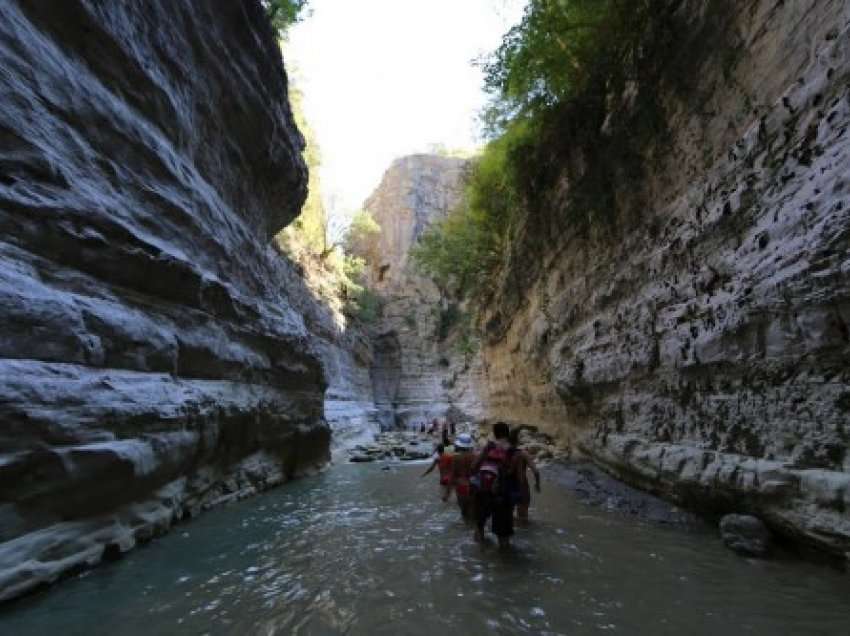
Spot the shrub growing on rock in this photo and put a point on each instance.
(575, 98)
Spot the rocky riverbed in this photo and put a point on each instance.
(410, 445)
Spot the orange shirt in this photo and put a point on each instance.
(446, 465)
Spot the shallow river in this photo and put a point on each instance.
(358, 550)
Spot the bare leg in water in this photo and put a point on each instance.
(522, 514)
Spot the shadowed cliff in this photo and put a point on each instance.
(151, 359)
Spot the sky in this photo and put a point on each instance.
(386, 78)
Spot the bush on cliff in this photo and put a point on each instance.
(284, 13)
(460, 251)
(309, 232)
(575, 99)
(359, 301)
(361, 236)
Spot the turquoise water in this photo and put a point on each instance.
(358, 550)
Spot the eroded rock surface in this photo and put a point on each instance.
(346, 353)
(704, 352)
(151, 361)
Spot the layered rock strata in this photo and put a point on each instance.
(416, 363)
(349, 404)
(151, 361)
(345, 349)
(702, 352)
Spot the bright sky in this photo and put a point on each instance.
(386, 78)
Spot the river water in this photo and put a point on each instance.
(360, 550)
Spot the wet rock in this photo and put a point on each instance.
(595, 488)
(412, 453)
(398, 445)
(745, 535)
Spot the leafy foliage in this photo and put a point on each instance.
(461, 250)
(309, 231)
(360, 238)
(284, 13)
(574, 99)
(547, 57)
(360, 301)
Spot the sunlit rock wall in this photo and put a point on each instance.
(704, 352)
(414, 360)
(151, 363)
(345, 351)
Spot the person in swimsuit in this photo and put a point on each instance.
(461, 472)
(443, 460)
(521, 463)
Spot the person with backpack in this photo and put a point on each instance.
(493, 483)
(461, 473)
(522, 462)
(443, 460)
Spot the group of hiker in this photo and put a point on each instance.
(488, 483)
(444, 427)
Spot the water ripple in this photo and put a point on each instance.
(362, 551)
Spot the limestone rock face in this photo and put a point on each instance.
(704, 352)
(345, 351)
(151, 360)
(349, 399)
(413, 358)
(413, 193)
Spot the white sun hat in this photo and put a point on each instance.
(464, 440)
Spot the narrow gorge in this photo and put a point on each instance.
(667, 305)
(415, 358)
(701, 352)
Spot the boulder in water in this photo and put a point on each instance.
(415, 453)
(745, 535)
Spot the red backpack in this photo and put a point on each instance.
(493, 473)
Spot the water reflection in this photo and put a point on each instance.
(358, 550)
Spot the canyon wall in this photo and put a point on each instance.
(154, 356)
(415, 358)
(701, 349)
(350, 410)
(344, 346)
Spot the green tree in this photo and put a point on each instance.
(312, 222)
(544, 59)
(361, 238)
(557, 80)
(463, 249)
(360, 301)
(308, 233)
(284, 13)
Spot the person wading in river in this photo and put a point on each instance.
(521, 463)
(492, 482)
(443, 460)
(461, 472)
